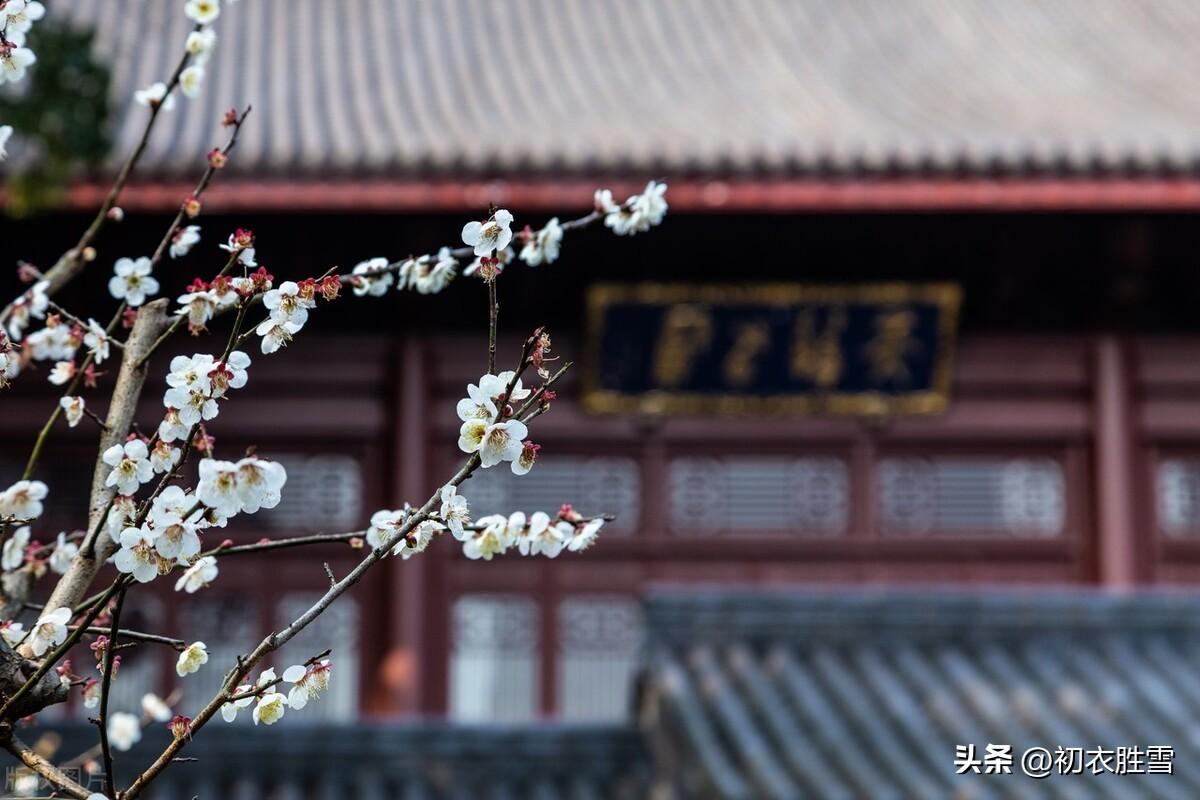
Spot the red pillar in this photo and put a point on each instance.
(1118, 554)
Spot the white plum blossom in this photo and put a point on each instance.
(202, 12)
(286, 304)
(6, 132)
(49, 631)
(124, 730)
(163, 457)
(197, 576)
(154, 707)
(172, 428)
(229, 711)
(153, 95)
(193, 657)
(259, 483)
(431, 277)
(489, 235)
(178, 542)
(271, 704)
(270, 707)
(638, 214)
(12, 555)
(200, 44)
(499, 441)
(454, 510)
(72, 409)
(543, 247)
(503, 258)
(14, 61)
(198, 306)
(191, 405)
(120, 516)
(130, 466)
(132, 281)
(528, 457)
(191, 372)
(218, 486)
(490, 540)
(18, 17)
(64, 552)
(417, 539)
(541, 537)
(241, 242)
(384, 525)
(30, 305)
(57, 341)
(12, 633)
(23, 500)
(275, 334)
(95, 338)
(307, 682)
(138, 556)
(184, 240)
(190, 80)
(585, 536)
(367, 278)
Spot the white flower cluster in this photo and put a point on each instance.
(194, 385)
(16, 20)
(490, 536)
(638, 214)
(496, 534)
(488, 427)
(200, 45)
(170, 534)
(288, 307)
(29, 306)
(308, 681)
(22, 502)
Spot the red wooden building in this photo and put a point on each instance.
(1043, 158)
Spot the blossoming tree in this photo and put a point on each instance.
(158, 500)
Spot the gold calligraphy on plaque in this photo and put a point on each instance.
(817, 356)
(686, 333)
(893, 344)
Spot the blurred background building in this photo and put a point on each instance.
(1041, 157)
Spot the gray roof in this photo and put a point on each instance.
(397, 761)
(403, 88)
(866, 694)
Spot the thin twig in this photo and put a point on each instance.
(105, 685)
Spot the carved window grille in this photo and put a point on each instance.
(322, 490)
(972, 495)
(599, 643)
(494, 659)
(808, 496)
(1178, 489)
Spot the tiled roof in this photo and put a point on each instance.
(837, 695)
(408, 761)
(406, 88)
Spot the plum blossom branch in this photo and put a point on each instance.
(71, 263)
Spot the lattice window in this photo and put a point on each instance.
(591, 485)
(494, 660)
(337, 629)
(1017, 496)
(321, 491)
(1178, 488)
(744, 494)
(228, 623)
(599, 643)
